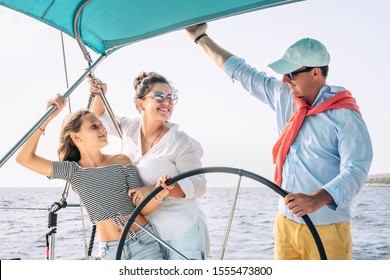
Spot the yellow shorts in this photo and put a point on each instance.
(294, 241)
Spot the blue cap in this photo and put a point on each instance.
(306, 52)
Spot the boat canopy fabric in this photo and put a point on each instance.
(106, 25)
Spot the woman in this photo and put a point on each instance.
(103, 182)
(156, 145)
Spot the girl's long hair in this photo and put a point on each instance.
(67, 150)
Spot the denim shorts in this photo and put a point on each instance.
(140, 247)
(193, 244)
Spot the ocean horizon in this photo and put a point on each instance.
(23, 223)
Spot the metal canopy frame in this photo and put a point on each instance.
(88, 72)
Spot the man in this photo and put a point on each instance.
(324, 151)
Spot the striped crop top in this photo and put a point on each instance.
(102, 190)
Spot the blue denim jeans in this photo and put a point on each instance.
(140, 247)
(193, 244)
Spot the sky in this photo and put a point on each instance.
(235, 129)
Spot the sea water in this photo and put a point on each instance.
(24, 224)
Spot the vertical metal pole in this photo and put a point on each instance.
(88, 58)
(52, 225)
(84, 235)
(52, 245)
(230, 220)
(106, 106)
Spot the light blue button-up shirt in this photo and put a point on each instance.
(332, 150)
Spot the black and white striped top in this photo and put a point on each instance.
(103, 190)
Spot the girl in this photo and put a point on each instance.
(103, 182)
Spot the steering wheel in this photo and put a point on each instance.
(230, 170)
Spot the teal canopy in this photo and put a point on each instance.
(106, 25)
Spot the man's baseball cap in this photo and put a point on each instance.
(306, 52)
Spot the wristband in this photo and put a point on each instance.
(198, 38)
(165, 187)
(42, 129)
(159, 199)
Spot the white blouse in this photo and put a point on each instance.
(175, 153)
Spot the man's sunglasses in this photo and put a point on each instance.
(292, 74)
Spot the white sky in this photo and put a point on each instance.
(234, 128)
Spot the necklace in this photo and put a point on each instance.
(152, 144)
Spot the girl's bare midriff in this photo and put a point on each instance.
(109, 231)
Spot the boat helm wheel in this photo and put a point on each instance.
(230, 170)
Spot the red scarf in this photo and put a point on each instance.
(342, 99)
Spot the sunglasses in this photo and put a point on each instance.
(292, 74)
(158, 96)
